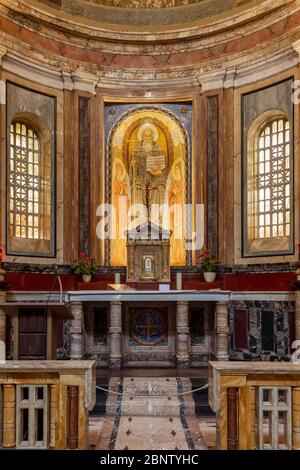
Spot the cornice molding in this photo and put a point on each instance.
(267, 67)
(3, 52)
(296, 46)
(236, 77)
(58, 79)
(149, 83)
(223, 78)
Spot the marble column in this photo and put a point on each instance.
(252, 445)
(54, 395)
(2, 336)
(76, 330)
(9, 416)
(222, 331)
(182, 327)
(115, 331)
(296, 417)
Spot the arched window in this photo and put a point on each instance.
(29, 189)
(273, 180)
(269, 186)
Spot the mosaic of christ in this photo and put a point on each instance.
(148, 172)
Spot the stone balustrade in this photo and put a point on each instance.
(46, 404)
(257, 405)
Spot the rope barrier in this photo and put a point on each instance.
(199, 389)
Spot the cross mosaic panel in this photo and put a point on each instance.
(148, 326)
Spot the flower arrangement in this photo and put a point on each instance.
(86, 265)
(208, 262)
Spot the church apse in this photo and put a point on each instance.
(147, 173)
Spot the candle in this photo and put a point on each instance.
(179, 281)
(117, 278)
(2, 352)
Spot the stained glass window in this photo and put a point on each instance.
(273, 180)
(28, 187)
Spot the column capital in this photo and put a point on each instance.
(84, 81)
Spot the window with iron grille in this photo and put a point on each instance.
(29, 189)
(269, 186)
(25, 182)
(273, 177)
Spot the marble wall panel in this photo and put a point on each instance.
(84, 157)
(64, 351)
(212, 173)
(279, 334)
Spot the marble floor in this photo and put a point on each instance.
(150, 415)
(152, 433)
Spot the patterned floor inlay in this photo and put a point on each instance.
(146, 422)
(152, 433)
(147, 433)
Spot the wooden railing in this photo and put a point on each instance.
(257, 405)
(45, 404)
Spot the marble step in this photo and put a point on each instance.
(152, 387)
(200, 397)
(151, 406)
(101, 397)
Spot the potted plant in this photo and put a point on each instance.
(86, 266)
(208, 265)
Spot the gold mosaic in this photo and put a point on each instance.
(144, 3)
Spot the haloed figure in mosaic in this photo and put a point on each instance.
(148, 169)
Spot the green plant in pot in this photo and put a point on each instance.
(208, 266)
(86, 266)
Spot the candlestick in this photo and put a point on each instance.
(179, 281)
